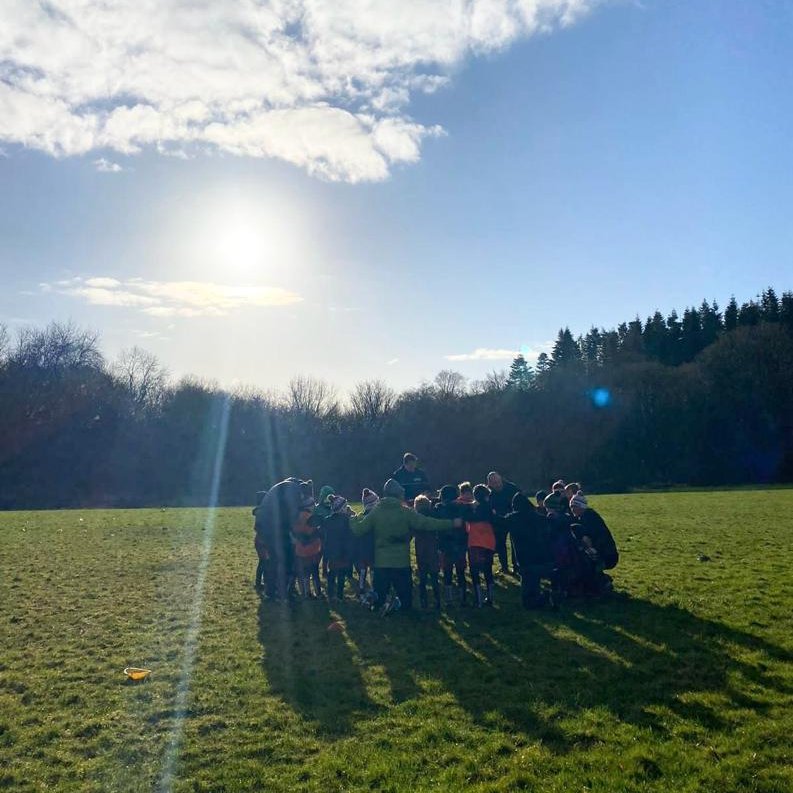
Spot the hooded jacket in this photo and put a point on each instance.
(391, 524)
(531, 534)
(591, 525)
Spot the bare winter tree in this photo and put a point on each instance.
(492, 383)
(143, 377)
(449, 384)
(372, 400)
(311, 397)
(58, 346)
(5, 343)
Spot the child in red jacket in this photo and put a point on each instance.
(481, 544)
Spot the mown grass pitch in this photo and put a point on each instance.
(683, 681)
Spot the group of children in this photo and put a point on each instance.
(559, 540)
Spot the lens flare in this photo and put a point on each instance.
(601, 397)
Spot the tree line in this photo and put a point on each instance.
(702, 399)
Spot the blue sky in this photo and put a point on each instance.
(623, 158)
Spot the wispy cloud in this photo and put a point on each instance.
(104, 165)
(172, 298)
(392, 362)
(484, 354)
(322, 84)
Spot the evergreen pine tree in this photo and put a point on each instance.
(769, 306)
(520, 374)
(731, 315)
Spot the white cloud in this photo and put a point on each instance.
(392, 362)
(322, 84)
(103, 165)
(484, 354)
(173, 298)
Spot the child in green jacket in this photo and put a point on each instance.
(392, 524)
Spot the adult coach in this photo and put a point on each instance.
(502, 491)
(413, 479)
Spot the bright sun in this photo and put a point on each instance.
(243, 247)
(241, 239)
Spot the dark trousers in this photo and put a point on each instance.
(454, 567)
(481, 561)
(428, 574)
(397, 577)
(530, 577)
(337, 578)
(501, 548)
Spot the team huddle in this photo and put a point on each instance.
(559, 546)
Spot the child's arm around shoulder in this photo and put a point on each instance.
(425, 523)
(361, 524)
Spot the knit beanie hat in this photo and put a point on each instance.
(559, 484)
(337, 503)
(392, 489)
(579, 500)
(369, 499)
(449, 493)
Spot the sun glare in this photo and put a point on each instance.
(242, 247)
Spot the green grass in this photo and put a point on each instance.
(681, 682)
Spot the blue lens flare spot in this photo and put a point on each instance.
(601, 397)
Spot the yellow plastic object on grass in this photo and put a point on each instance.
(136, 673)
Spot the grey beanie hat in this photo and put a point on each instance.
(392, 489)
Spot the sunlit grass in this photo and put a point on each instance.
(683, 682)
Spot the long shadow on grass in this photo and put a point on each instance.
(312, 669)
(524, 671)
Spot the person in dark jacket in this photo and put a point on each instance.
(338, 546)
(594, 531)
(413, 479)
(453, 544)
(564, 546)
(597, 549)
(427, 556)
(275, 515)
(531, 540)
(502, 492)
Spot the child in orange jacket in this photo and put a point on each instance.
(308, 552)
(481, 544)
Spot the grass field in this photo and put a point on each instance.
(682, 681)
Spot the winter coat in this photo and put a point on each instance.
(480, 527)
(392, 524)
(453, 544)
(306, 537)
(501, 500)
(277, 513)
(338, 546)
(590, 524)
(414, 482)
(531, 536)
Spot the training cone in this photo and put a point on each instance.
(335, 627)
(136, 673)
